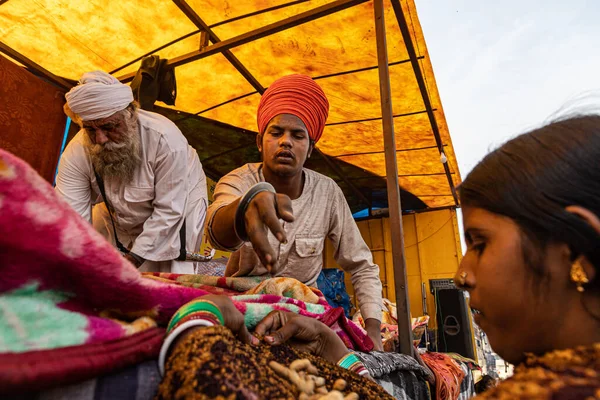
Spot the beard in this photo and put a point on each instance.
(117, 161)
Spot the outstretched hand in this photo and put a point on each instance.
(304, 333)
(263, 214)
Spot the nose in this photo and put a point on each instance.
(100, 137)
(286, 139)
(464, 278)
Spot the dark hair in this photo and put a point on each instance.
(533, 177)
(486, 382)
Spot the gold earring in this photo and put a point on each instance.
(578, 276)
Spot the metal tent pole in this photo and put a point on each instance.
(393, 188)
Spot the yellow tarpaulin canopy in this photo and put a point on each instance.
(339, 50)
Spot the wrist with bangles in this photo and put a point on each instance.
(200, 312)
(352, 363)
(193, 314)
(239, 224)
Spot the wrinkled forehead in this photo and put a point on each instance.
(113, 119)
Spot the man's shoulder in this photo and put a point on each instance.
(247, 172)
(76, 147)
(319, 181)
(161, 126)
(155, 121)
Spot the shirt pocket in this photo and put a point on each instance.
(137, 208)
(134, 194)
(306, 259)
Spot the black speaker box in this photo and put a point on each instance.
(455, 334)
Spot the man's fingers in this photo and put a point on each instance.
(269, 217)
(283, 205)
(258, 237)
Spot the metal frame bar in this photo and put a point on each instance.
(195, 18)
(197, 31)
(382, 151)
(410, 48)
(341, 174)
(353, 71)
(54, 79)
(259, 33)
(393, 187)
(376, 118)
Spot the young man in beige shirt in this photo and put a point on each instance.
(275, 215)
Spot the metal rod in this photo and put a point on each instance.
(352, 71)
(379, 152)
(259, 33)
(164, 46)
(393, 188)
(341, 174)
(400, 176)
(376, 118)
(215, 106)
(237, 64)
(56, 80)
(264, 10)
(197, 31)
(414, 60)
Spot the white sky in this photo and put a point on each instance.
(504, 66)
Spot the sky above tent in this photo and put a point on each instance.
(505, 67)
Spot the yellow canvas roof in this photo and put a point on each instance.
(339, 50)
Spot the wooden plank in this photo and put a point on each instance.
(259, 33)
(393, 188)
(38, 69)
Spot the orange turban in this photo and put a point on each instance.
(298, 95)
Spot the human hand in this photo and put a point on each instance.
(373, 327)
(264, 212)
(304, 333)
(233, 318)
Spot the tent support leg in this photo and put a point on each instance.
(393, 188)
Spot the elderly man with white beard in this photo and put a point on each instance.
(137, 171)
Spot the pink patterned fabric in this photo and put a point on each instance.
(54, 263)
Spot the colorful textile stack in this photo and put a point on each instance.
(473, 366)
(66, 286)
(389, 326)
(448, 375)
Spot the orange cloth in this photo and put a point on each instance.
(448, 375)
(298, 95)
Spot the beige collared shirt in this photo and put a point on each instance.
(149, 211)
(320, 212)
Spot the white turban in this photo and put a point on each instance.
(98, 95)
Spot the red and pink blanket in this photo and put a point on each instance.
(71, 307)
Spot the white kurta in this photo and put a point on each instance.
(168, 186)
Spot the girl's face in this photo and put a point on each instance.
(520, 311)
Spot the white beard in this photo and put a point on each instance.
(117, 160)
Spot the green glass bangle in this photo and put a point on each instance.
(348, 360)
(198, 305)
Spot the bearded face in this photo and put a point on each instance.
(113, 145)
